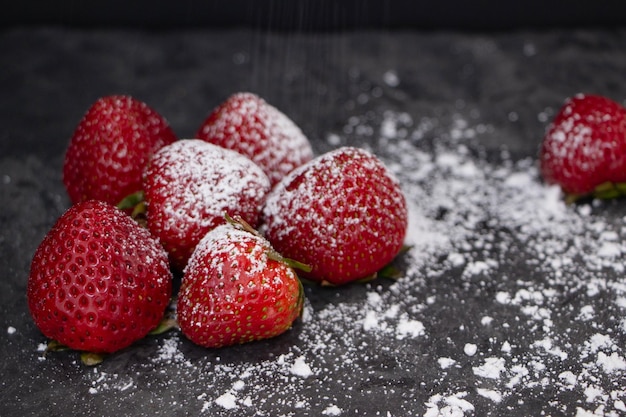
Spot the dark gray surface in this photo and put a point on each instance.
(49, 77)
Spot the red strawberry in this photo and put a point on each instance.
(584, 150)
(236, 289)
(110, 147)
(190, 184)
(343, 214)
(249, 125)
(98, 281)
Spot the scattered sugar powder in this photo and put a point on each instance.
(509, 299)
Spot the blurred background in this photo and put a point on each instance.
(319, 14)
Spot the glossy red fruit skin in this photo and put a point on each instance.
(110, 147)
(585, 145)
(98, 281)
(233, 293)
(189, 186)
(344, 214)
(249, 125)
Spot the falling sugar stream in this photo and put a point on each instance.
(299, 59)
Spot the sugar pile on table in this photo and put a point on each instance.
(494, 252)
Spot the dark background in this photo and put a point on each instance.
(320, 14)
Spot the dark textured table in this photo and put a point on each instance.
(510, 303)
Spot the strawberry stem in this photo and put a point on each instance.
(292, 263)
(240, 223)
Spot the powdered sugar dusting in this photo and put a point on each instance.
(248, 124)
(495, 253)
(191, 184)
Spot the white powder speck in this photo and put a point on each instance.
(611, 363)
(470, 349)
(586, 313)
(227, 401)
(454, 405)
(486, 320)
(491, 368)
(409, 328)
(332, 410)
(370, 322)
(391, 78)
(493, 395)
(592, 392)
(445, 363)
(239, 385)
(568, 378)
(300, 368)
(11, 330)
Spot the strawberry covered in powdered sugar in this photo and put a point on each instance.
(189, 186)
(249, 125)
(343, 214)
(584, 149)
(237, 289)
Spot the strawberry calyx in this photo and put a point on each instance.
(168, 323)
(272, 254)
(606, 191)
(135, 205)
(87, 358)
(91, 358)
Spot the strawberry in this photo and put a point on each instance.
(110, 147)
(237, 289)
(584, 149)
(98, 281)
(188, 187)
(249, 125)
(343, 214)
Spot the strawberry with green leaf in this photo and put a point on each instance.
(343, 213)
(237, 289)
(584, 149)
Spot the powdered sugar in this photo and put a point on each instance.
(509, 297)
(251, 126)
(191, 184)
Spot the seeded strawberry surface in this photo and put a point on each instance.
(343, 214)
(110, 148)
(189, 186)
(249, 125)
(585, 146)
(233, 292)
(98, 281)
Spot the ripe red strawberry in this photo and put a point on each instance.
(236, 289)
(188, 187)
(249, 125)
(343, 214)
(98, 281)
(584, 150)
(110, 147)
